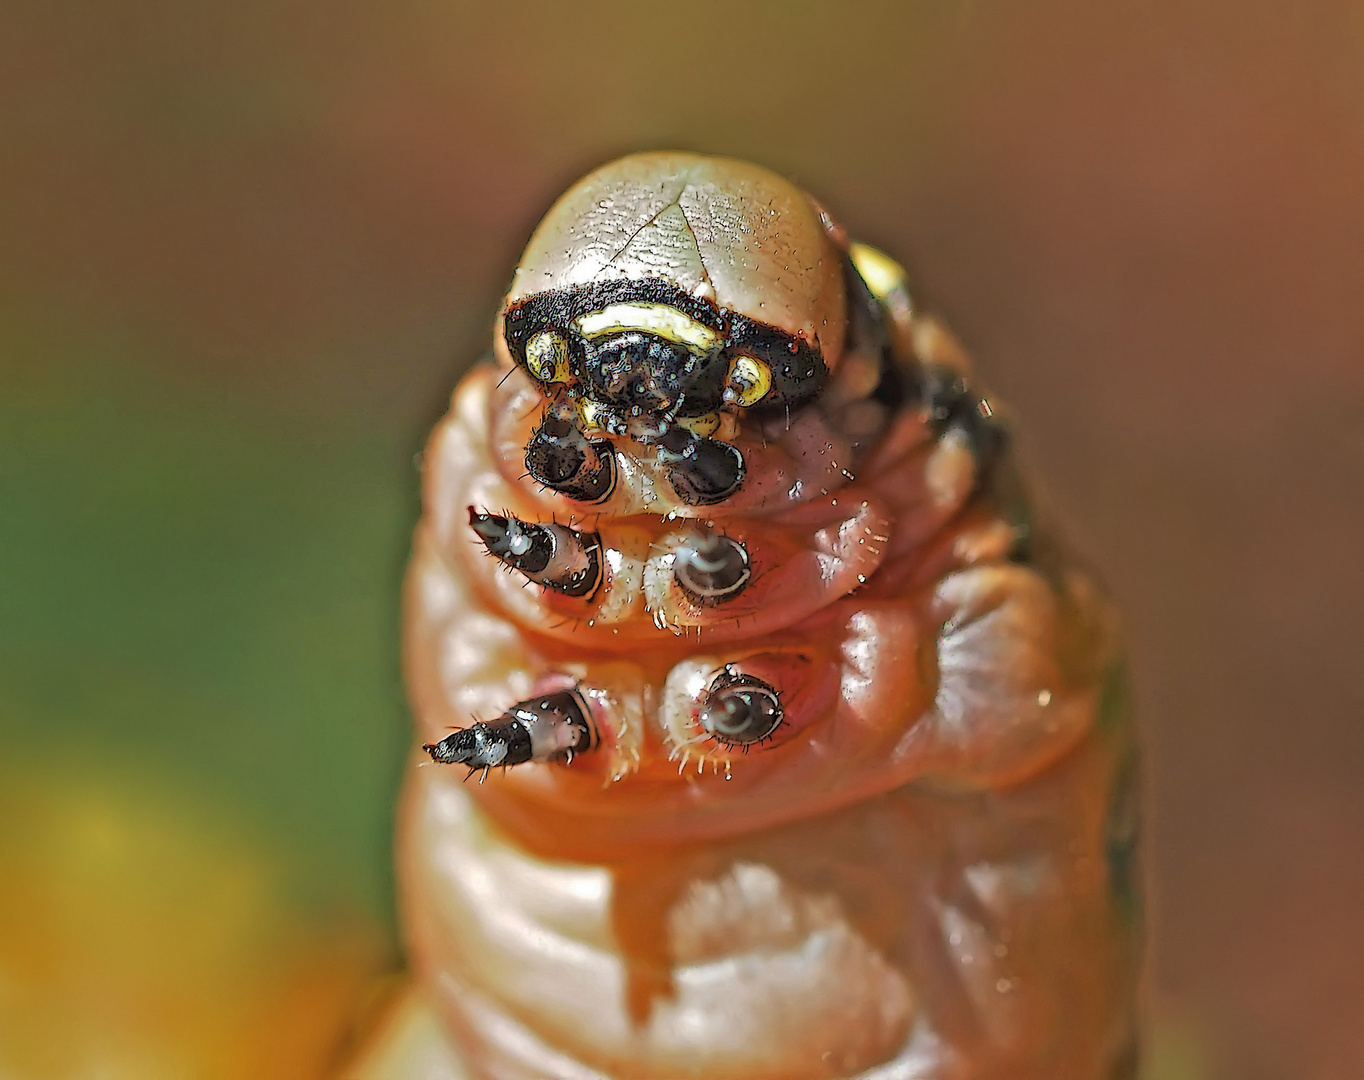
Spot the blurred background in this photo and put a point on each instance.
(247, 247)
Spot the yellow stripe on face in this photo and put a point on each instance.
(657, 319)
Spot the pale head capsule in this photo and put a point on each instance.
(634, 312)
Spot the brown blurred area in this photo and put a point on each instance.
(1145, 220)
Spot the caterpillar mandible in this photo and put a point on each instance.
(795, 747)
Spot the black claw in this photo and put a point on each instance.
(524, 545)
(562, 458)
(701, 471)
(546, 728)
(554, 556)
(483, 746)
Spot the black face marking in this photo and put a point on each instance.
(798, 368)
(740, 710)
(562, 458)
(711, 569)
(641, 374)
(545, 728)
(555, 556)
(701, 471)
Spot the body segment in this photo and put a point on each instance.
(819, 766)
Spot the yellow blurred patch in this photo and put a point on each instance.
(138, 943)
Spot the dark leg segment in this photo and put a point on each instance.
(562, 458)
(546, 728)
(483, 745)
(701, 471)
(554, 556)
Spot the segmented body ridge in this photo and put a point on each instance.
(793, 746)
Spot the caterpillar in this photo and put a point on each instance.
(762, 728)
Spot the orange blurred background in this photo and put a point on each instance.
(246, 248)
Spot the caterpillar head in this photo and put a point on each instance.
(662, 298)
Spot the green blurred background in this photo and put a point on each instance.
(246, 249)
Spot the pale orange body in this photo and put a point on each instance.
(924, 872)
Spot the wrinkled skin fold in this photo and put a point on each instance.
(858, 796)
